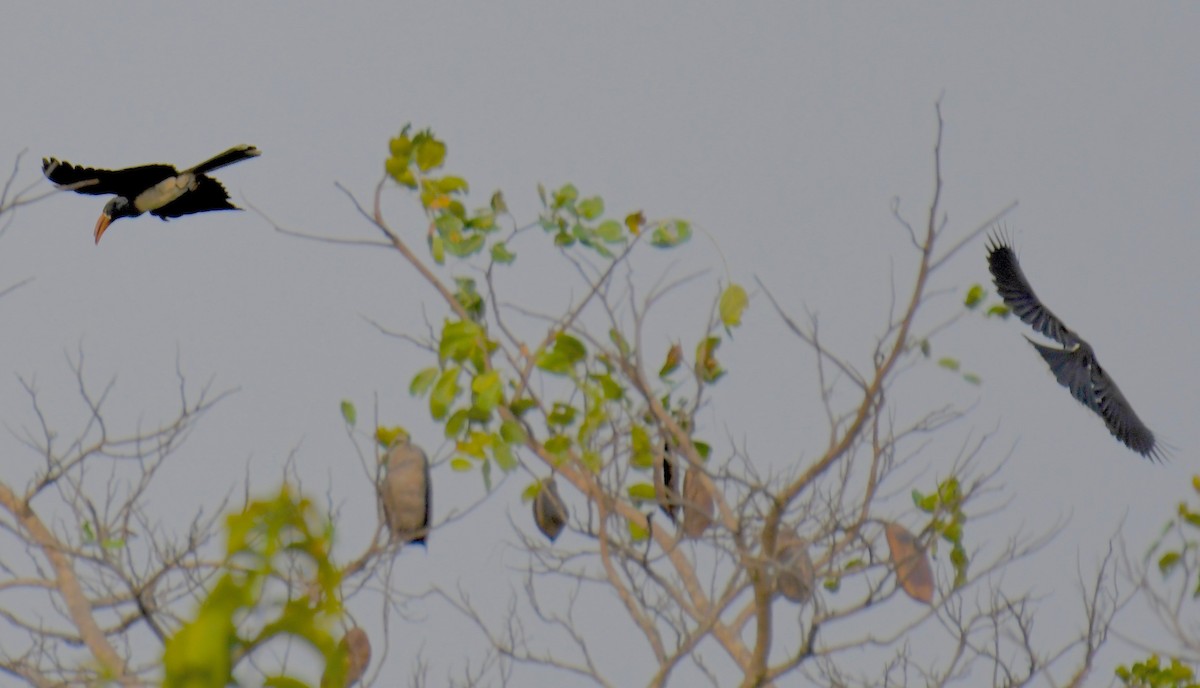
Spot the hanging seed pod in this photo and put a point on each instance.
(911, 563)
(549, 511)
(697, 505)
(666, 482)
(796, 578)
(406, 492)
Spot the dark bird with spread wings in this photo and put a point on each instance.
(1074, 364)
(160, 190)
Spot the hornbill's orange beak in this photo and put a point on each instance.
(101, 225)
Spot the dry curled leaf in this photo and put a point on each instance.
(355, 647)
(549, 511)
(911, 563)
(697, 505)
(797, 577)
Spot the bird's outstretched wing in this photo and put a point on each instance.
(1019, 296)
(94, 182)
(209, 194)
(1074, 365)
(1078, 371)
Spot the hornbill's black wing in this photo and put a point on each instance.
(1074, 370)
(1019, 296)
(1075, 365)
(127, 182)
(209, 194)
(1078, 371)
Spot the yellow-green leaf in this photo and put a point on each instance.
(733, 304)
(501, 254)
(445, 391)
(975, 296)
(422, 380)
(671, 364)
(641, 492)
(430, 154)
(385, 436)
(349, 414)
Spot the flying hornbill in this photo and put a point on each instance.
(156, 189)
(1075, 364)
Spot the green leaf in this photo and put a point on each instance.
(590, 208)
(733, 303)
(671, 364)
(449, 226)
(611, 231)
(1168, 562)
(461, 339)
(925, 348)
(998, 310)
(437, 248)
(592, 460)
(503, 454)
(349, 414)
(561, 414)
(497, 203)
(531, 490)
(702, 449)
(460, 465)
(561, 359)
(401, 145)
(612, 391)
(975, 296)
(430, 154)
(501, 254)
(638, 533)
(642, 456)
(512, 432)
(670, 234)
(929, 504)
(449, 184)
(948, 363)
(488, 391)
(641, 492)
(972, 378)
(457, 422)
(385, 436)
(445, 391)
(557, 444)
(397, 169)
(422, 380)
(707, 367)
(565, 196)
(520, 406)
(953, 532)
(463, 245)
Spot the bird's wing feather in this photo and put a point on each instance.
(209, 194)
(1018, 294)
(127, 182)
(1078, 371)
(1071, 371)
(1121, 420)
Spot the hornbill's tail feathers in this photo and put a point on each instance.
(227, 158)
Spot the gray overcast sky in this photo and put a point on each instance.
(782, 129)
